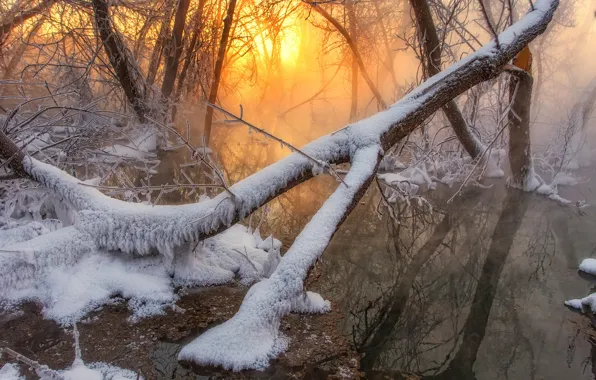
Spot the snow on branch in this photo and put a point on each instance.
(140, 228)
(252, 337)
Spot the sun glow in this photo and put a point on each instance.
(290, 44)
(281, 42)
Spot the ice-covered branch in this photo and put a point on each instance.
(251, 337)
(134, 227)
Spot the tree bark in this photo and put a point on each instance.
(174, 50)
(120, 60)
(429, 39)
(221, 54)
(520, 151)
(189, 57)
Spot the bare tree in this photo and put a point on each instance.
(355, 52)
(432, 51)
(217, 71)
(104, 222)
(174, 50)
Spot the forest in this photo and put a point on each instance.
(342, 189)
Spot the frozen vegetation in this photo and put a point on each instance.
(73, 249)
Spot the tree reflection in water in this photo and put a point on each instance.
(473, 291)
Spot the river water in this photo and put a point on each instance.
(474, 289)
(475, 294)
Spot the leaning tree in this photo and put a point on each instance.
(252, 336)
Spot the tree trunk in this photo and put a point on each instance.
(174, 50)
(221, 54)
(355, 52)
(353, 31)
(429, 38)
(159, 45)
(189, 57)
(22, 17)
(120, 60)
(520, 152)
(17, 56)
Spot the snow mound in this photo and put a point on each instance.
(588, 266)
(589, 302)
(311, 303)
(10, 372)
(66, 273)
(96, 371)
(245, 341)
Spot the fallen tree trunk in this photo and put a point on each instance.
(114, 224)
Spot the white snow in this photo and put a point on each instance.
(311, 303)
(9, 234)
(95, 371)
(70, 277)
(251, 338)
(139, 147)
(588, 266)
(589, 302)
(10, 372)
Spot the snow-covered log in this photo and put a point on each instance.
(251, 338)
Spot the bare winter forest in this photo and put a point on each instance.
(231, 189)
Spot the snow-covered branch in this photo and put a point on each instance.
(131, 227)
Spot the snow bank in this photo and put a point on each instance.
(10, 372)
(589, 302)
(588, 266)
(69, 276)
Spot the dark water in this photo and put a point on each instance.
(472, 290)
(475, 294)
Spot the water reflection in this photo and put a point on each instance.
(474, 292)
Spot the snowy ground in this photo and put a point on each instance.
(150, 346)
